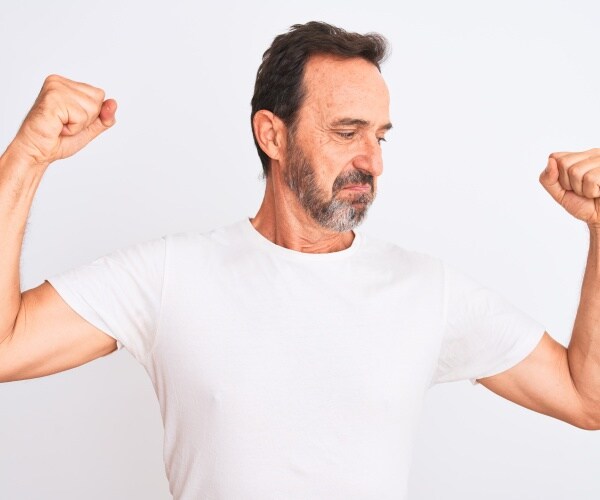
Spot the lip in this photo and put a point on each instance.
(361, 188)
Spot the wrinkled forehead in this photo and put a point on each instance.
(349, 87)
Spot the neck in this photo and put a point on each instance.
(282, 220)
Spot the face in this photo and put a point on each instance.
(333, 154)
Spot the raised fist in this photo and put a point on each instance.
(573, 180)
(64, 118)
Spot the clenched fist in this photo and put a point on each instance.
(573, 180)
(64, 118)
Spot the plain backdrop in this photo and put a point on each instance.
(481, 93)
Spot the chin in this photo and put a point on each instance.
(342, 216)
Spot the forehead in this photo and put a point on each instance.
(337, 88)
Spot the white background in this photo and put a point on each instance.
(481, 92)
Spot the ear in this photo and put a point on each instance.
(269, 132)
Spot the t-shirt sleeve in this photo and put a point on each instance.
(483, 333)
(120, 293)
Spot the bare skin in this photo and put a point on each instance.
(39, 333)
(336, 89)
(341, 124)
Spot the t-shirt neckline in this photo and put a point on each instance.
(267, 245)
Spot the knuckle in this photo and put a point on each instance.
(589, 178)
(575, 171)
(53, 80)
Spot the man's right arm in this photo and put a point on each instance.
(39, 333)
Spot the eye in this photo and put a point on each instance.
(346, 134)
(380, 140)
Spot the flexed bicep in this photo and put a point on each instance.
(49, 337)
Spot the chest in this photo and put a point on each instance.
(248, 338)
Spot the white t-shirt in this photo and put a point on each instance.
(287, 375)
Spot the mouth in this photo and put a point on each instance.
(357, 188)
(357, 194)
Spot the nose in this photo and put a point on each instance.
(369, 158)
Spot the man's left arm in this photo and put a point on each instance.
(557, 381)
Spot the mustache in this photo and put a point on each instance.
(354, 177)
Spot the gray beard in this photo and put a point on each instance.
(335, 214)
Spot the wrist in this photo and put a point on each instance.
(16, 156)
(594, 234)
(19, 172)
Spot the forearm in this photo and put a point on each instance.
(584, 347)
(18, 184)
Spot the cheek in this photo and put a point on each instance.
(325, 169)
(333, 164)
(328, 160)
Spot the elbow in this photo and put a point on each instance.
(588, 426)
(592, 425)
(589, 420)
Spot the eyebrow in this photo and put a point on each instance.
(357, 122)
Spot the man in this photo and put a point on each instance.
(290, 355)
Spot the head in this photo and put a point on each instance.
(321, 90)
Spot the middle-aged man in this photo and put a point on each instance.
(290, 355)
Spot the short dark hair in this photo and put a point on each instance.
(279, 78)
